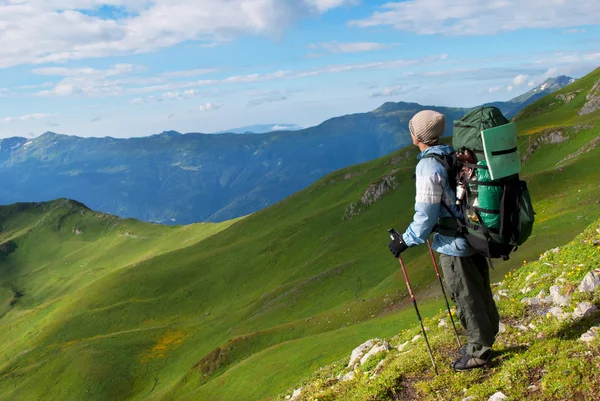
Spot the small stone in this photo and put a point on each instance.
(525, 300)
(359, 351)
(541, 336)
(590, 335)
(378, 369)
(590, 282)
(497, 297)
(296, 394)
(556, 250)
(497, 397)
(557, 297)
(416, 338)
(529, 277)
(379, 348)
(502, 328)
(525, 290)
(533, 387)
(584, 309)
(402, 346)
(522, 328)
(468, 398)
(503, 293)
(558, 312)
(443, 323)
(542, 294)
(531, 326)
(349, 376)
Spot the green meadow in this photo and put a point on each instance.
(94, 307)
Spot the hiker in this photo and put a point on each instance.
(466, 272)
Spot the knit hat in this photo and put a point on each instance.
(427, 126)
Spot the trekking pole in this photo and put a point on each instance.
(437, 271)
(394, 235)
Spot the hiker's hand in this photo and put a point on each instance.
(397, 246)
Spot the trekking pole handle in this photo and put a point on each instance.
(394, 235)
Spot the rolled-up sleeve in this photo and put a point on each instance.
(430, 188)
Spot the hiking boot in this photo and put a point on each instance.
(468, 362)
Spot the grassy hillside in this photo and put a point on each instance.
(98, 308)
(540, 353)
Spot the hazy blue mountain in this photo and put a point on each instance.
(262, 129)
(551, 85)
(179, 179)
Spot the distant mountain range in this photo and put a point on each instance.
(551, 85)
(262, 129)
(174, 178)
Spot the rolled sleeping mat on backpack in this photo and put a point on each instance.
(501, 151)
(489, 199)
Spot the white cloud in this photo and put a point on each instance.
(190, 73)
(510, 88)
(92, 82)
(520, 79)
(209, 107)
(267, 99)
(26, 117)
(350, 47)
(391, 91)
(37, 31)
(574, 31)
(494, 89)
(472, 17)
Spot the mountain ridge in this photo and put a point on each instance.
(177, 178)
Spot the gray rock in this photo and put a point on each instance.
(497, 297)
(557, 297)
(497, 397)
(593, 100)
(590, 282)
(379, 348)
(525, 290)
(378, 369)
(558, 312)
(416, 338)
(502, 328)
(443, 322)
(359, 351)
(584, 309)
(402, 346)
(296, 394)
(590, 335)
(349, 376)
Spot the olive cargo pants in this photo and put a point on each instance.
(468, 279)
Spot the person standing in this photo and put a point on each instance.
(466, 272)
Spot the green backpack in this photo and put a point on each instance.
(496, 211)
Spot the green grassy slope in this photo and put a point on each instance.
(537, 356)
(99, 308)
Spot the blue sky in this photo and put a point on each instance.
(138, 67)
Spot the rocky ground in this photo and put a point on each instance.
(548, 347)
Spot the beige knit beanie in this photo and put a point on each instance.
(427, 126)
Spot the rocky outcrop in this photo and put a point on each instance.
(552, 137)
(593, 100)
(372, 195)
(567, 97)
